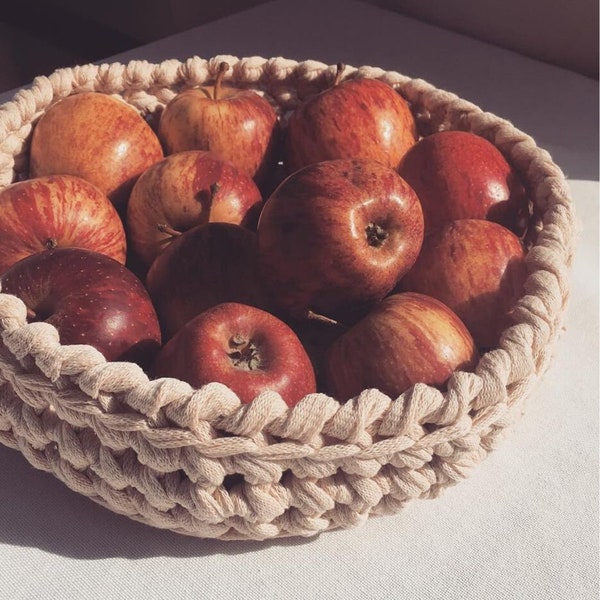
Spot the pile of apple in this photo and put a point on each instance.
(327, 249)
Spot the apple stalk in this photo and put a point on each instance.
(223, 68)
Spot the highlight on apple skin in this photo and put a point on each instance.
(336, 237)
(97, 137)
(475, 267)
(90, 299)
(407, 338)
(243, 347)
(57, 211)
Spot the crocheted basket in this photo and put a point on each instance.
(199, 462)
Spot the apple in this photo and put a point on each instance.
(57, 211)
(460, 175)
(406, 339)
(243, 347)
(184, 190)
(90, 298)
(204, 266)
(354, 118)
(475, 267)
(237, 125)
(97, 137)
(335, 238)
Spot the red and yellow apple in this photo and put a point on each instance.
(57, 211)
(407, 338)
(237, 125)
(185, 190)
(354, 118)
(97, 137)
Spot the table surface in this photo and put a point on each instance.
(523, 526)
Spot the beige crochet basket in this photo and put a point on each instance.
(200, 463)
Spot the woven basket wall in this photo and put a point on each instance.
(200, 463)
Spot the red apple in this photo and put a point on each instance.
(184, 190)
(355, 118)
(97, 137)
(408, 338)
(475, 267)
(57, 211)
(460, 175)
(237, 125)
(335, 237)
(90, 299)
(243, 347)
(207, 265)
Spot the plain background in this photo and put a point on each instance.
(37, 36)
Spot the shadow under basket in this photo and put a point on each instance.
(200, 463)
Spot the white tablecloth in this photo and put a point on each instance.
(523, 526)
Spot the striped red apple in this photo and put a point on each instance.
(408, 338)
(185, 190)
(97, 137)
(477, 268)
(57, 211)
(235, 124)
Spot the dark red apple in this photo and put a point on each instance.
(460, 175)
(243, 347)
(408, 338)
(90, 299)
(335, 238)
(355, 118)
(185, 190)
(475, 267)
(207, 265)
(237, 125)
(97, 137)
(316, 335)
(57, 211)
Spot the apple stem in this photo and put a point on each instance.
(313, 316)
(223, 68)
(245, 354)
(51, 243)
(376, 235)
(338, 73)
(214, 190)
(164, 228)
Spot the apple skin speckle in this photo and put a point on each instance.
(98, 138)
(90, 298)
